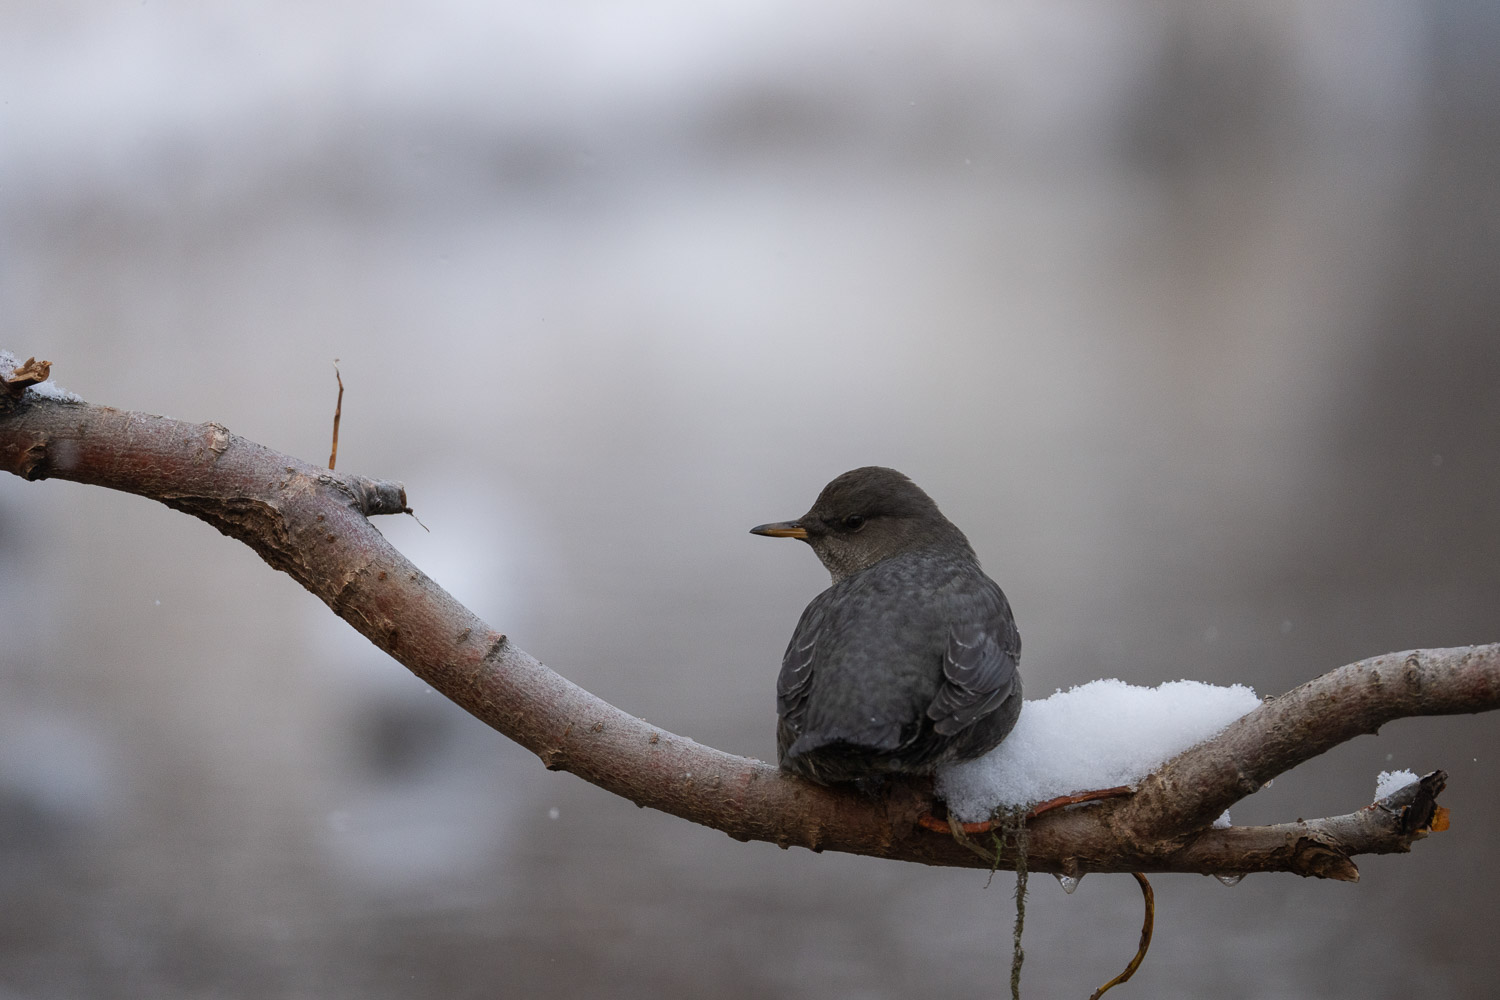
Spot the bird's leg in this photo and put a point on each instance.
(930, 822)
(961, 835)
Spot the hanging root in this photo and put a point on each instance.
(1003, 826)
(1016, 823)
(1011, 826)
(1140, 954)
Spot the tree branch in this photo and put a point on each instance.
(312, 524)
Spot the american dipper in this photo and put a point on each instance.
(909, 660)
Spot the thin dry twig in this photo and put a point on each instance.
(338, 411)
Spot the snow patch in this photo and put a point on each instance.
(1097, 735)
(1390, 781)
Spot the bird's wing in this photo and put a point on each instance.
(795, 679)
(799, 662)
(979, 670)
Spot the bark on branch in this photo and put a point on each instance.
(312, 524)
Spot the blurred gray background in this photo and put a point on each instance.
(1185, 313)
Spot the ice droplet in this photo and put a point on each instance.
(1069, 882)
(1230, 879)
(554, 813)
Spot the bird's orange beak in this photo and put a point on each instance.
(781, 529)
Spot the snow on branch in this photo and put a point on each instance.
(312, 524)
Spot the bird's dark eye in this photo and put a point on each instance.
(854, 522)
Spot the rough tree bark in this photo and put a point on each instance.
(312, 524)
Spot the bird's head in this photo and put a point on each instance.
(865, 516)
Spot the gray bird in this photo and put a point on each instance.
(909, 660)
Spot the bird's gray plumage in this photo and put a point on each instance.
(908, 660)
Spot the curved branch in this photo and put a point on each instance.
(1188, 792)
(312, 524)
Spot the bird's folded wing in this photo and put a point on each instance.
(979, 673)
(795, 679)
